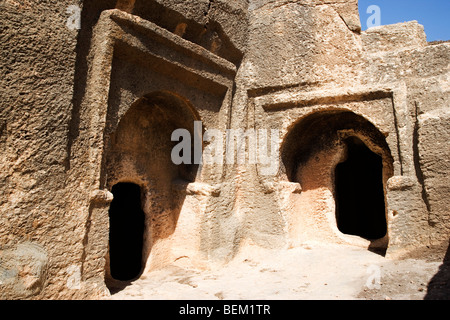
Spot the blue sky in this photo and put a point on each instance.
(434, 15)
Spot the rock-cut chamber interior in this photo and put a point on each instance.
(126, 230)
(360, 207)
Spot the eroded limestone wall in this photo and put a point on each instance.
(400, 57)
(38, 235)
(257, 64)
(309, 57)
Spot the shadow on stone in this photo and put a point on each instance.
(439, 285)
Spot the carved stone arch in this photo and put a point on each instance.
(312, 153)
(138, 154)
(311, 133)
(155, 114)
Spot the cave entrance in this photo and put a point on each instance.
(342, 162)
(126, 231)
(360, 205)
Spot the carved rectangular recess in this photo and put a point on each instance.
(149, 45)
(281, 107)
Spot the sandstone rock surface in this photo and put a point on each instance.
(93, 90)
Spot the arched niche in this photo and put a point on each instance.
(343, 155)
(138, 155)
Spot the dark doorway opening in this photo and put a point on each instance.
(126, 231)
(360, 206)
